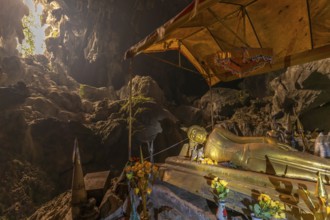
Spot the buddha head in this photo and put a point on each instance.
(197, 134)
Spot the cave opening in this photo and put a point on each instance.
(33, 29)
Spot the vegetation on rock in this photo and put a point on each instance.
(27, 47)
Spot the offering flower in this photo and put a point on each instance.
(266, 208)
(141, 175)
(219, 187)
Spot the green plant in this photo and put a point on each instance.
(28, 45)
(266, 208)
(136, 102)
(82, 92)
(220, 189)
(141, 106)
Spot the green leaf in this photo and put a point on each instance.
(129, 176)
(256, 209)
(267, 215)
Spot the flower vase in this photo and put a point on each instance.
(144, 214)
(221, 211)
(254, 217)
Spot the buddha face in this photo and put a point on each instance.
(197, 134)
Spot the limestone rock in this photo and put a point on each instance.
(306, 89)
(144, 86)
(111, 130)
(70, 116)
(224, 100)
(23, 187)
(12, 130)
(58, 208)
(12, 67)
(188, 115)
(258, 86)
(104, 109)
(87, 106)
(53, 144)
(11, 14)
(61, 78)
(69, 101)
(94, 94)
(302, 85)
(13, 96)
(43, 105)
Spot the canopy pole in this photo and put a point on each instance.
(244, 23)
(130, 110)
(179, 53)
(211, 99)
(310, 23)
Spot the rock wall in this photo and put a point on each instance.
(89, 38)
(306, 89)
(11, 29)
(23, 187)
(265, 102)
(42, 112)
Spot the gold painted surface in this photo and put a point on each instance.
(321, 191)
(243, 185)
(265, 155)
(197, 134)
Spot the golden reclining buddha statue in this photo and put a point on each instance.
(263, 154)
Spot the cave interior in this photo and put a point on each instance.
(71, 84)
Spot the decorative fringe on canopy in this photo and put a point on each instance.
(241, 61)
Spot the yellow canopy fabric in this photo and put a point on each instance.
(297, 31)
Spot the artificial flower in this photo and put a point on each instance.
(266, 208)
(220, 188)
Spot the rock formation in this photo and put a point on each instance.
(12, 11)
(44, 105)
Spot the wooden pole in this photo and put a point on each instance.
(130, 111)
(212, 116)
(211, 93)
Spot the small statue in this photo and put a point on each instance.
(193, 153)
(321, 146)
(197, 154)
(327, 143)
